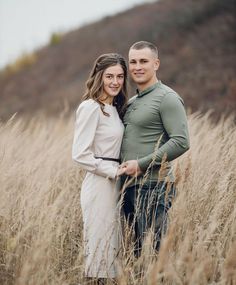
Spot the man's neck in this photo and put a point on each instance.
(142, 87)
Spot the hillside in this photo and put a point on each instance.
(196, 40)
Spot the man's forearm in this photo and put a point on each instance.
(172, 149)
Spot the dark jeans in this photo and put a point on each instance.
(145, 207)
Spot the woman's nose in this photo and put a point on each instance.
(115, 81)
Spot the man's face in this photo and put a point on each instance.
(143, 65)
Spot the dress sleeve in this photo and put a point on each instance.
(87, 120)
(175, 124)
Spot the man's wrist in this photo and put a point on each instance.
(142, 164)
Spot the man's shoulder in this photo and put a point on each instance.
(166, 91)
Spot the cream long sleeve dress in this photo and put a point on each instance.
(97, 135)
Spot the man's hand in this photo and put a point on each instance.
(131, 168)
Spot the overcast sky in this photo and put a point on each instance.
(28, 24)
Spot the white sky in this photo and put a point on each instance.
(28, 24)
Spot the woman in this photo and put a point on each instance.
(96, 147)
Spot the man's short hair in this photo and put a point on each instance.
(144, 44)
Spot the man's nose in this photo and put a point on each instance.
(137, 66)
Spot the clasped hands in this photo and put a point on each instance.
(129, 167)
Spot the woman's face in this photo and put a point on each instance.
(113, 80)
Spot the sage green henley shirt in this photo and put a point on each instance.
(155, 126)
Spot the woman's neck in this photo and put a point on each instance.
(106, 100)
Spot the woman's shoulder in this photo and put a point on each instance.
(88, 105)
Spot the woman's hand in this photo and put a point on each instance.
(121, 170)
(131, 168)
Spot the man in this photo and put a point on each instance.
(156, 133)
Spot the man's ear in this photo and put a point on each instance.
(157, 64)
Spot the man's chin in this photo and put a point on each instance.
(139, 80)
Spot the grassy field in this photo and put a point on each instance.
(41, 223)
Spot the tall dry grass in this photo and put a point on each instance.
(41, 223)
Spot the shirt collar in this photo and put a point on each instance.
(149, 89)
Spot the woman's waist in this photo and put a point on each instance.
(111, 158)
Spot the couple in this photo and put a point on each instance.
(115, 138)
